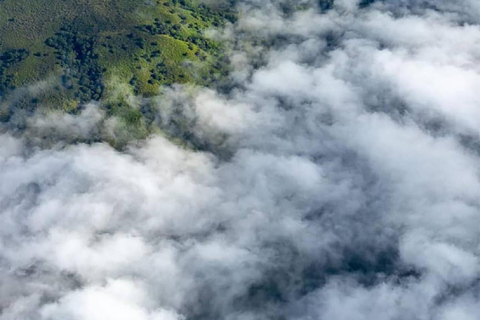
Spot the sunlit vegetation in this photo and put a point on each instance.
(85, 48)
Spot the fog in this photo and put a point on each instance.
(336, 177)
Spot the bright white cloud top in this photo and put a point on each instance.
(340, 180)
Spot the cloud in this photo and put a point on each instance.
(119, 299)
(337, 178)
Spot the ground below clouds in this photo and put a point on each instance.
(339, 179)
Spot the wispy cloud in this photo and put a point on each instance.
(336, 178)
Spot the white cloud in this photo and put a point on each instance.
(338, 183)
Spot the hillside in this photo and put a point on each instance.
(81, 49)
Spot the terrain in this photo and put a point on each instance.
(62, 54)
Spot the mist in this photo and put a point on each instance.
(335, 176)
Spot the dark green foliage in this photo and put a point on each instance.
(8, 59)
(76, 54)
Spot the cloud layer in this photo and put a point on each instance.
(337, 177)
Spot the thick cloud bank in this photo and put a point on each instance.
(336, 178)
